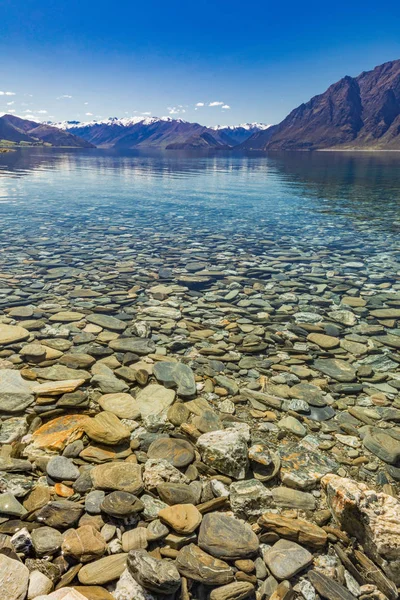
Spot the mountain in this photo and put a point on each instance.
(157, 133)
(360, 113)
(200, 141)
(17, 130)
(240, 133)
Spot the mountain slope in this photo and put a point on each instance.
(15, 129)
(157, 133)
(361, 112)
(200, 141)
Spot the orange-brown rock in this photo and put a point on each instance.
(84, 544)
(183, 518)
(106, 428)
(57, 388)
(59, 432)
(297, 530)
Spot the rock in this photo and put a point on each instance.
(106, 428)
(178, 452)
(107, 322)
(11, 334)
(225, 451)
(303, 469)
(227, 538)
(93, 592)
(162, 312)
(373, 518)
(178, 375)
(178, 493)
(297, 530)
(59, 432)
(323, 341)
(140, 346)
(60, 468)
(83, 544)
(135, 539)
(9, 505)
(46, 540)
(121, 504)
(194, 563)
(160, 576)
(336, 369)
(154, 399)
(56, 388)
(384, 446)
(122, 405)
(249, 498)
(14, 578)
(61, 373)
(93, 502)
(68, 316)
(15, 393)
(285, 559)
(60, 514)
(237, 590)
(328, 588)
(292, 425)
(39, 584)
(183, 518)
(122, 476)
(290, 498)
(129, 589)
(158, 471)
(65, 593)
(104, 570)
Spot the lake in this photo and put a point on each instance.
(229, 321)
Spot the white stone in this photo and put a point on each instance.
(129, 589)
(39, 585)
(14, 577)
(373, 518)
(225, 451)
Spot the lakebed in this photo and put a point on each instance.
(199, 376)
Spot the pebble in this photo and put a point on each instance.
(188, 397)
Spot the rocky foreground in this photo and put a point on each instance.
(216, 424)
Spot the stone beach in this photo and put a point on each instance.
(197, 414)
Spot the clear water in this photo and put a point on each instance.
(328, 198)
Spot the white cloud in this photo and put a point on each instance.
(28, 110)
(64, 96)
(85, 103)
(12, 110)
(41, 112)
(89, 114)
(215, 104)
(7, 94)
(176, 110)
(200, 104)
(10, 103)
(147, 114)
(226, 106)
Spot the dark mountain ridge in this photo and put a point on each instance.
(152, 132)
(361, 113)
(17, 130)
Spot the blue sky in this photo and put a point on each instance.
(93, 59)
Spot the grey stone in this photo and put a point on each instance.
(285, 559)
(160, 576)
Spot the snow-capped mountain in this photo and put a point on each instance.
(120, 122)
(240, 133)
(247, 126)
(158, 132)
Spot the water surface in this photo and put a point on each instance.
(323, 198)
